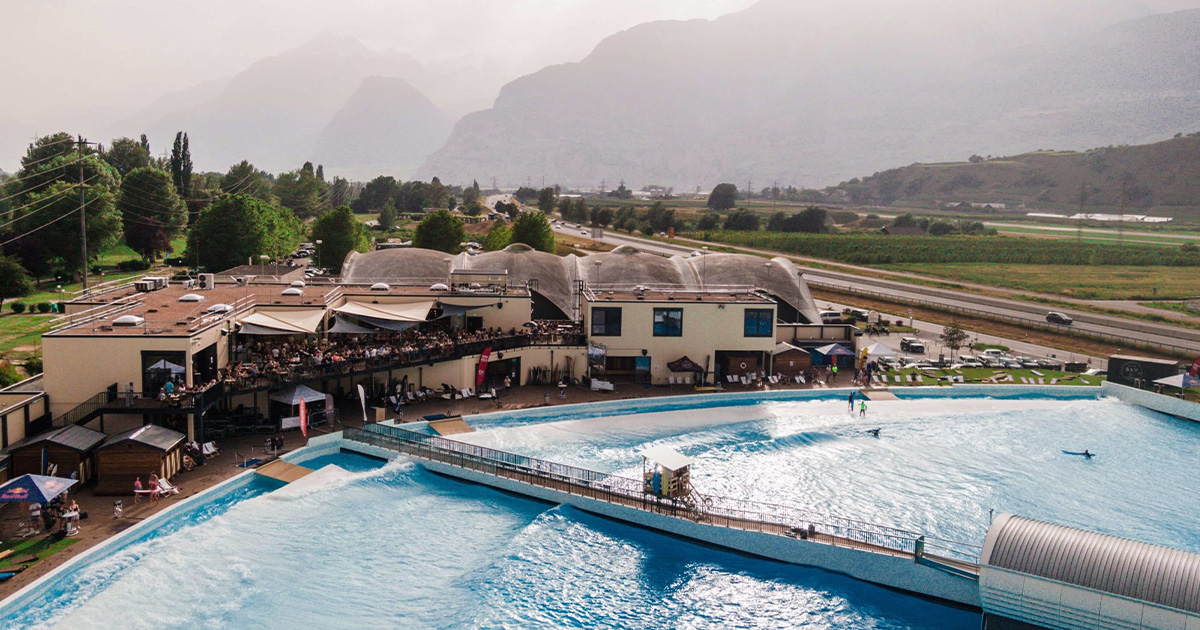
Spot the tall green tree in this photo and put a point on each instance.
(601, 216)
(181, 165)
(239, 227)
(533, 229)
(441, 231)
(378, 193)
(954, 337)
(499, 237)
(127, 154)
(300, 191)
(387, 218)
(546, 200)
(14, 280)
(660, 217)
(50, 208)
(710, 221)
(243, 178)
(723, 197)
(151, 211)
(340, 233)
(339, 192)
(471, 193)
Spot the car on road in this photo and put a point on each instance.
(1054, 317)
(831, 317)
(912, 344)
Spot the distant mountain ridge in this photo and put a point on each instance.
(810, 93)
(1160, 178)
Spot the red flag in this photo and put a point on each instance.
(483, 359)
(303, 418)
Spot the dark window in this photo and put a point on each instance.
(668, 322)
(606, 322)
(758, 322)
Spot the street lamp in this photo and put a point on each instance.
(319, 241)
(768, 266)
(703, 267)
(598, 263)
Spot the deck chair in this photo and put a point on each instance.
(687, 380)
(671, 381)
(1041, 381)
(210, 450)
(1054, 381)
(800, 379)
(167, 488)
(1025, 381)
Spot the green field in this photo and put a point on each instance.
(1094, 283)
(1110, 237)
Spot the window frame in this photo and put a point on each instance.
(607, 327)
(666, 331)
(760, 316)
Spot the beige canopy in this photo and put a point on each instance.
(298, 321)
(407, 312)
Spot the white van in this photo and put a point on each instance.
(831, 317)
(992, 353)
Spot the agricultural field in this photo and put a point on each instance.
(1109, 282)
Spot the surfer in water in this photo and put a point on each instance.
(873, 432)
(851, 402)
(1088, 454)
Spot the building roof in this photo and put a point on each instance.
(557, 277)
(667, 457)
(151, 435)
(1138, 570)
(74, 437)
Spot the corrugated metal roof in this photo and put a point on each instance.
(73, 437)
(151, 435)
(1150, 573)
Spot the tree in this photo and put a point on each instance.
(723, 197)
(151, 211)
(601, 216)
(941, 228)
(57, 197)
(30, 251)
(441, 231)
(811, 220)
(471, 194)
(621, 192)
(742, 220)
(339, 192)
(954, 337)
(321, 172)
(546, 200)
(300, 191)
(710, 221)
(387, 218)
(127, 154)
(14, 280)
(181, 165)
(240, 227)
(905, 220)
(510, 209)
(340, 233)
(659, 217)
(499, 237)
(533, 229)
(243, 178)
(378, 192)
(526, 194)
(474, 208)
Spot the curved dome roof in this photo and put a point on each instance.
(523, 263)
(392, 264)
(556, 275)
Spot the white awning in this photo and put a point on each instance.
(298, 321)
(667, 457)
(408, 312)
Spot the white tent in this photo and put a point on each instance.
(879, 350)
(164, 364)
(303, 321)
(294, 394)
(408, 312)
(1182, 381)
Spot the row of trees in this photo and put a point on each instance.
(445, 232)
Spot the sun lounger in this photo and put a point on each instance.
(166, 487)
(1054, 381)
(210, 450)
(467, 393)
(1041, 381)
(774, 379)
(1037, 372)
(488, 395)
(687, 380)
(1026, 381)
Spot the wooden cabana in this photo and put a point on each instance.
(790, 361)
(137, 453)
(59, 452)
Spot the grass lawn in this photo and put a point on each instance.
(1110, 237)
(33, 545)
(1178, 307)
(1076, 281)
(933, 377)
(22, 330)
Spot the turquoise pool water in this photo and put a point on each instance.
(391, 545)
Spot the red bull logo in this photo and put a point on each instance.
(15, 494)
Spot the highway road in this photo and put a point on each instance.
(1114, 329)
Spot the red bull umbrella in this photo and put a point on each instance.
(34, 489)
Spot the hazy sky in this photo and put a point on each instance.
(89, 61)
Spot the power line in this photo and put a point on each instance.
(43, 200)
(47, 224)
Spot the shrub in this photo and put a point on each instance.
(8, 374)
(133, 265)
(18, 307)
(33, 365)
(43, 307)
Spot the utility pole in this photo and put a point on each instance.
(83, 219)
(1121, 219)
(1079, 225)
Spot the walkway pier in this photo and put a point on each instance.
(887, 556)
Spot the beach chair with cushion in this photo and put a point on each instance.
(687, 380)
(210, 450)
(1054, 381)
(671, 381)
(166, 487)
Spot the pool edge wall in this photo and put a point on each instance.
(897, 572)
(1155, 402)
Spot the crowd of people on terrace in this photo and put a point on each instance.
(262, 356)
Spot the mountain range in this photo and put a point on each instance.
(810, 93)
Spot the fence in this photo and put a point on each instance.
(719, 511)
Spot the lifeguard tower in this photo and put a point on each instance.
(666, 473)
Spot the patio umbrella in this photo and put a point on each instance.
(879, 350)
(164, 364)
(834, 350)
(684, 364)
(34, 489)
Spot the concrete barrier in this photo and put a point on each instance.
(1157, 402)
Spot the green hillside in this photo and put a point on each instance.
(1161, 178)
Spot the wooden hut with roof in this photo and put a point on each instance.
(60, 451)
(137, 453)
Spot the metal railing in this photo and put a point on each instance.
(719, 511)
(84, 409)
